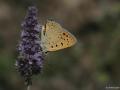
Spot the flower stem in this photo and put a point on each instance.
(28, 87)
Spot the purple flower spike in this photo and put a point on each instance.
(30, 58)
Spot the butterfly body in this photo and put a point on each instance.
(54, 37)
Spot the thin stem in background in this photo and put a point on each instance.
(28, 87)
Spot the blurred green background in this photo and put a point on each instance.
(91, 64)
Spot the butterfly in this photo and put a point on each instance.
(54, 37)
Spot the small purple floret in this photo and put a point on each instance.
(30, 55)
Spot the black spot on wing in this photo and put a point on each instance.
(61, 43)
(64, 34)
(51, 46)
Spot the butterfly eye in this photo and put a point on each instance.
(46, 52)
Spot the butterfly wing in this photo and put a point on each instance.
(54, 37)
